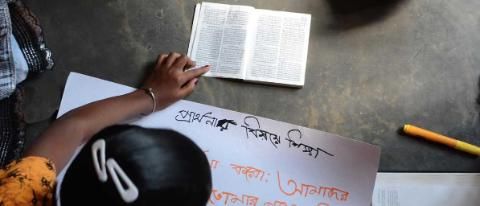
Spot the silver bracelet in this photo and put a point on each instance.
(150, 93)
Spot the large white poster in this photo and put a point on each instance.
(255, 160)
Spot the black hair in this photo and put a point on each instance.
(166, 167)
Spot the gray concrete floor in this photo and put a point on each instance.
(371, 68)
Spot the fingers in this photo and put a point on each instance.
(194, 73)
(180, 63)
(171, 58)
(160, 59)
(190, 64)
(177, 63)
(188, 88)
(171, 78)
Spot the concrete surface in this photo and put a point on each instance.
(371, 68)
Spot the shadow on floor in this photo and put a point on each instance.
(478, 97)
(147, 68)
(349, 14)
(478, 101)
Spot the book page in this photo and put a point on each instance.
(426, 189)
(219, 39)
(255, 161)
(281, 47)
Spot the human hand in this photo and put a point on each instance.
(170, 80)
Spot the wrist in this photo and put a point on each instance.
(145, 101)
(149, 91)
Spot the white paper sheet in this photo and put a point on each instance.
(427, 189)
(255, 160)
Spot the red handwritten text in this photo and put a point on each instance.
(226, 198)
(248, 172)
(311, 190)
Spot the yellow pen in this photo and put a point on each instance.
(434, 137)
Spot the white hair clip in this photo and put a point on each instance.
(98, 148)
(128, 194)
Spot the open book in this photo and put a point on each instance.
(242, 42)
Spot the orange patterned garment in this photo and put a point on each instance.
(28, 181)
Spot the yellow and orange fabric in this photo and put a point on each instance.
(27, 181)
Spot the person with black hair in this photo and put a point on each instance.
(137, 166)
(119, 165)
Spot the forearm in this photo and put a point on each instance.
(98, 115)
(168, 78)
(79, 125)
